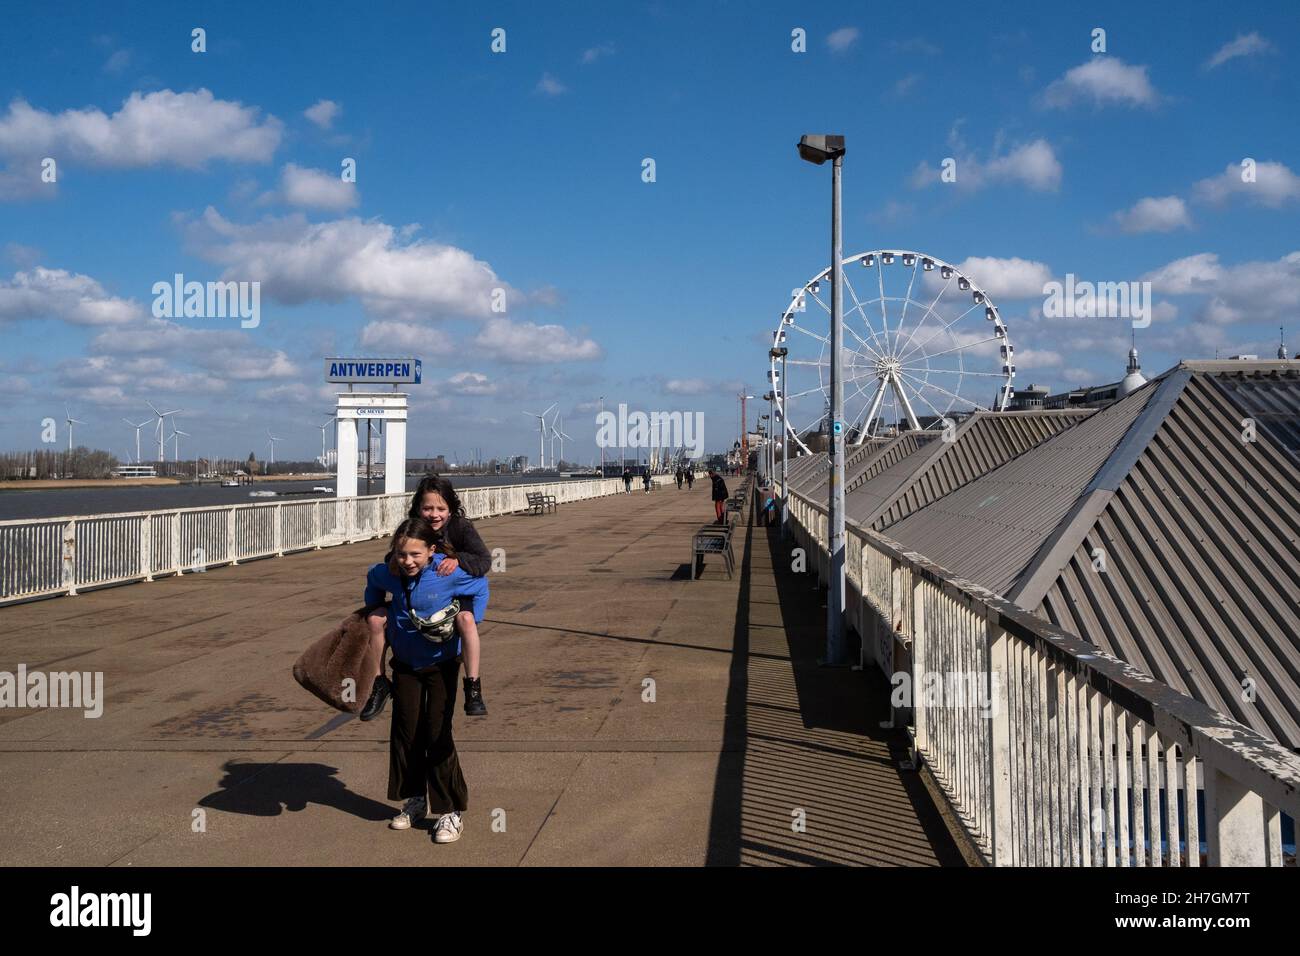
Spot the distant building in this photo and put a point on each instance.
(1030, 397)
(420, 466)
(135, 471)
(1099, 396)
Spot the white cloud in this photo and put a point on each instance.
(550, 86)
(118, 62)
(323, 113)
(689, 386)
(153, 129)
(1033, 164)
(227, 353)
(1163, 214)
(1103, 80)
(1012, 278)
(509, 341)
(906, 83)
(471, 383)
(843, 38)
(316, 189)
(41, 293)
(393, 275)
(1246, 44)
(592, 54)
(1257, 291)
(25, 184)
(1274, 185)
(421, 340)
(1192, 274)
(1037, 358)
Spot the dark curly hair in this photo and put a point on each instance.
(440, 486)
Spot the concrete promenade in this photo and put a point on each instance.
(202, 713)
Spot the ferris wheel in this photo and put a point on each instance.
(923, 344)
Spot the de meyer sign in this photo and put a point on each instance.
(373, 370)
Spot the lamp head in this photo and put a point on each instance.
(820, 147)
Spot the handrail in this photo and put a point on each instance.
(45, 557)
(1070, 756)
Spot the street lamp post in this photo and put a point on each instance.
(743, 445)
(778, 387)
(818, 149)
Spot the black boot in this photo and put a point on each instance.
(378, 698)
(474, 706)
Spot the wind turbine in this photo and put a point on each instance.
(558, 433)
(71, 421)
(137, 435)
(541, 432)
(176, 435)
(162, 446)
(324, 458)
(272, 442)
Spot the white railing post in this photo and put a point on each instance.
(146, 547)
(1235, 822)
(231, 553)
(174, 523)
(919, 651)
(1001, 837)
(69, 579)
(277, 537)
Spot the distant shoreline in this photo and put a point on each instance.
(48, 484)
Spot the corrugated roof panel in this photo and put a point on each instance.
(985, 441)
(1268, 395)
(989, 529)
(1202, 581)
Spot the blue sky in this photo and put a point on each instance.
(522, 170)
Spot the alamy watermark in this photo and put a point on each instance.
(129, 910)
(651, 430)
(208, 300)
(951, 690)
(72, 689)
(1098, 300)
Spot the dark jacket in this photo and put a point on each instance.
(719, 488)
(471, 552)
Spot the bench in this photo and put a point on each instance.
(538, 502)
(712, 539)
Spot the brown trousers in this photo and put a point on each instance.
(421, 753)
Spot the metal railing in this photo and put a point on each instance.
(40, 557)
(1057, 754)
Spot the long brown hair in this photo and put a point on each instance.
(441, 487)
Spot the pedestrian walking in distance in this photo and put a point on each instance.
(719, 496)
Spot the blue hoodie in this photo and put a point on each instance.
(430, 593)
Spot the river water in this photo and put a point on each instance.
(56, 502)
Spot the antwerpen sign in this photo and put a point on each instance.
(373, 371)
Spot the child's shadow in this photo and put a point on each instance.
(268, 789)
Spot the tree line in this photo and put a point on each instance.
(80, 462)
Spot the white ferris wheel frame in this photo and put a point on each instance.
(889, 372)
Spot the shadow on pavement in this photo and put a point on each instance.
(269, 789)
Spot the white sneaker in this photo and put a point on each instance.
(414, 809)
(448, 829)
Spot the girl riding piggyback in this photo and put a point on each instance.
(421, 628)
(462, 549)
